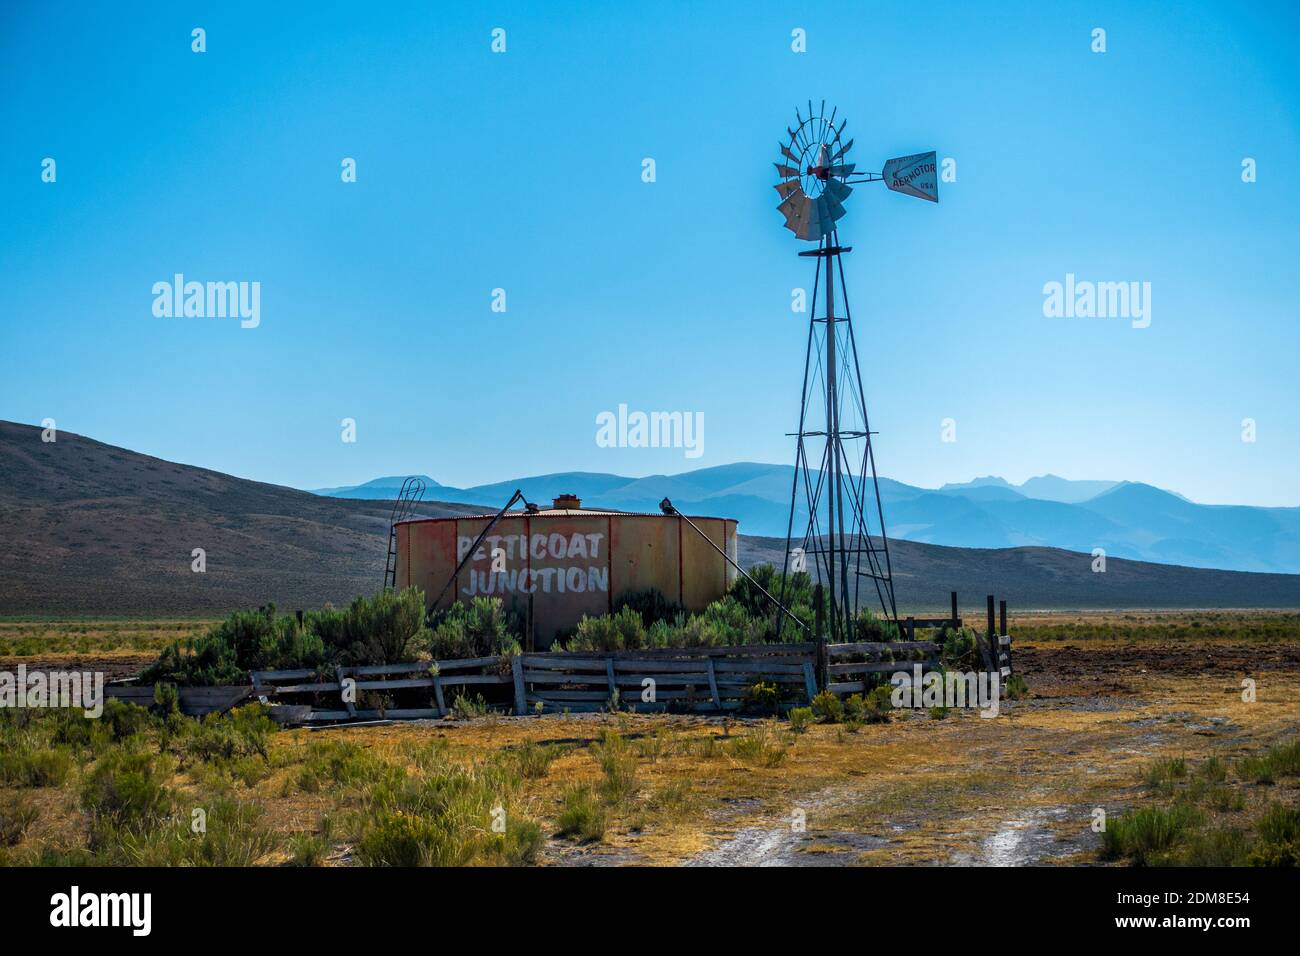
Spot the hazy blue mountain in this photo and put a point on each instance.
(378, 489)
(988, 481)
(1044, 487)
(1126, 519)
(1053, 488)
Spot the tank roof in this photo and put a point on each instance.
(565, 513)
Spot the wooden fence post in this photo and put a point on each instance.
(990, 643)
(809, 682)
(339, 674)
(517, 667)
(954, 610)
(1002, 617)
(713, 683)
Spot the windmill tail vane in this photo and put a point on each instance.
(836, 515)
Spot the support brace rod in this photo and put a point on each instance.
(667, 507)
(517, 496)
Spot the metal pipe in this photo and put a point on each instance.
(517, 496)
(668, 508)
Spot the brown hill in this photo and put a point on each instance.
(88, 528)
(1051, 578)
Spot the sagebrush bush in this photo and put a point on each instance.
(878, 705)
(960, 649)
(797, 596)
(127, 789)
(378, 630)
(35, 767)
(384, 629)
(581, 814)
(1016, 687)
(828, 708)
(18, 812)
(232, 835)
(761, 747)
(618, 763)
(869, 628)
(246, 640)
(533, 760)
(762, 697)
(801, 718)
(478, 628)
(1143, 835)
(1279, 837)
(651, 605)
(855, 709)
(446, 819)
(620, 631)
(243, 732)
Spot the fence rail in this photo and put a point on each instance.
(695, 679)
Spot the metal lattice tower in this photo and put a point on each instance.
(837, 522)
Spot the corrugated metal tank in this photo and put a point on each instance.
(571, 560)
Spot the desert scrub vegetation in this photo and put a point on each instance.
(451, 816)
(479, 628)
(384, 629)
(646, 619)
(20, 638)
(582, 814)
(146, 788)
(761, 747)
(1189, 626)
(1202, 819)
(18, 811)
(1280, 761)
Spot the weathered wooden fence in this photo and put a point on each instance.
(657, 679)
(437, 677)
(847, 675)
(194, 701)
(697, 679)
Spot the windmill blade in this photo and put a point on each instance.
(834, 209)
(786, 188)
(838, 190)
(809, 221)
(785, 171)
(809, 232)
(915, 175)
(842, 150)
(789, 155)
(790, 208)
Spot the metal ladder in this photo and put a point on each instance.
(411, 494)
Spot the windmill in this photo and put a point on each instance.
(834, 462)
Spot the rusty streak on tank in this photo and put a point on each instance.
(571, 560)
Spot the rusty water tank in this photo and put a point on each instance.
(570, 560)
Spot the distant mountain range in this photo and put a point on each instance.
(1126, 519)
(88, 528)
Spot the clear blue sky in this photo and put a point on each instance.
(523, 171)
